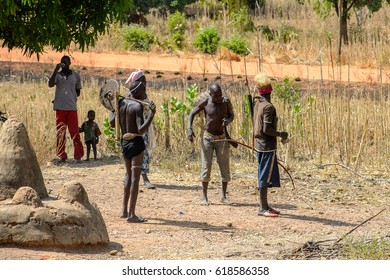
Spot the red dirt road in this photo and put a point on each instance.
(205, 64)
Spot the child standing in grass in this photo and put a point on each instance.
(91, 133)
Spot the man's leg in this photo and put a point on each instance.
(205, 200)
(88, 149)
(94, 150)
(207, 160)
(136, 164)
(223, 159)
(61, 134)
(75, 135)
(126, 189)
(265, 164)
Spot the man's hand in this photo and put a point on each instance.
(152, 107)
(190, 134)
(284, 135)
(59, 66)
(225, 122)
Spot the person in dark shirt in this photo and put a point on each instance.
(91, 134)
(265, 132)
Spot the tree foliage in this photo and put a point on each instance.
(143, 6)
(32, 25)
(343, 8)
(326, 7)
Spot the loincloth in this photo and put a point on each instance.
(133, 147)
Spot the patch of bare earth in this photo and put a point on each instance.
(323, 206)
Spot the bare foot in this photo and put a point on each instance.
(205, 202)
(225, 200)
(149, 185)
(136, 219)
(124, 214)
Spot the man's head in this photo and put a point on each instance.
(137, 75)
(263, 83)
(216, 93)
(91, 115)
(66, 61)
(138, 90)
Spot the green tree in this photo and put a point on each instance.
(172, 6)
(343, 9)
(32, 25)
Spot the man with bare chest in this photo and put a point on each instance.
(133, 126)
(218, 111)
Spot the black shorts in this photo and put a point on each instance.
(133, 147)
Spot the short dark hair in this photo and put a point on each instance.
(90, 112)
(214, 88)
(66, 57)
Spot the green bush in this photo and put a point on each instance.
(241, 20)
(177, 23)
(237, 45)
(287, 33)
(207, 40)
(288, 91)
(178, 40)
(267, 32)
(137, 38)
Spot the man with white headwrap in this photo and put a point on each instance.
(149, 137)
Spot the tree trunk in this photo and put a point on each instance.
(343, 25)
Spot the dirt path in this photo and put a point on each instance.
(323, 207)
(199, 64)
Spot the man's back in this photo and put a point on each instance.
(130, 116)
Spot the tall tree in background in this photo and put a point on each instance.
(343, 9)
(32, 25)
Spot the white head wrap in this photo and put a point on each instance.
(135, 76)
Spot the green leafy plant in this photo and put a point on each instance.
(237, 44)
(110, 134)
(287, 33)
(137, 38)
(207, 40)
(288, 91)
(176, 25)
(267, 32)
(241, 20)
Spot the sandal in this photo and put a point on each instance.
(273, 211)
(267, 213)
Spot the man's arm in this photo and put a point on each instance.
(267, 124)
(142, 124)
(230, 116)
(52, 80)
(197, 109)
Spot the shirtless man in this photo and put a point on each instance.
(133, 125)
(219, 113)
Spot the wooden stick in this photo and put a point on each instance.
(359, 225)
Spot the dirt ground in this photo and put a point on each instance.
(325, 205)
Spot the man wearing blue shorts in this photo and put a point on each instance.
(265, 124)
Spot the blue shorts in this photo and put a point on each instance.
(268, 170)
